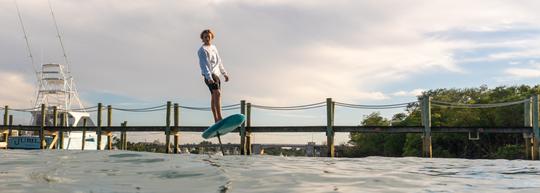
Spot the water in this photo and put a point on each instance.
(122, 171)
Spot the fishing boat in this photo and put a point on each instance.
(56, 90)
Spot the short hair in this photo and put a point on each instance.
(207, 31)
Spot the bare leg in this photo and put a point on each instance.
(216, 105)
(213, 105)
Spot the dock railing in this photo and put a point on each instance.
(530, 129)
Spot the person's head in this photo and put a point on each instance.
(207, 35)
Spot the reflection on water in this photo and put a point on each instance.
(121, 171)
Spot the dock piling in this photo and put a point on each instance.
(98, 129)
(6, 115)
(83, 142)
(109, 125)
(536, 131)
(243, 129)
(42, 127)
(56, 142)
(10, 126)
(176, 133)
(527, 123)
(427, 148)
(121, 144)
(123, 135)
(329, 127)
(248, 129)
(168, 128)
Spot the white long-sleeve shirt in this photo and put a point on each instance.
(210, 62)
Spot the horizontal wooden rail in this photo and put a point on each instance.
(293, 129)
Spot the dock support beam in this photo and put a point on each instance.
(243, 129)
(536, 131)
(175, 129)
(98, 130)
(56, 142)
(168, 128)
(10, 127)
(109, 125)
(83, 142)
(330, 126)
(123, 135)
(61, 132)
(427, 148)
(6, 114)
(248, 129)
(42, 127)
(527, 123)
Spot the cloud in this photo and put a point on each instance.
(412, 93)
(278, 52)
(17, 92)
(532, 71)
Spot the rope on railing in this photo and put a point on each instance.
(390, 106)
(138, 110)
(25, 110)
(477, 106)
(224, 108)
(298, 107)
(291, 108)
(85, 110)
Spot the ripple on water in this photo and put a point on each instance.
(175, 174)
(125, 155)
(121, 171)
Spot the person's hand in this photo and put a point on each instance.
(210, 81)
(226, 78)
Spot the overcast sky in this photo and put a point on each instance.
(142, 53)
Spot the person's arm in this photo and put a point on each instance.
(203, 63)
(222, 68)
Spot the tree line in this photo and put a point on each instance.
(451, 145)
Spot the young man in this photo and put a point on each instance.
(211, 67)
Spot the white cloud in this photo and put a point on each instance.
(278, 52)
(17, 92)
(533, 71)
(412, 93)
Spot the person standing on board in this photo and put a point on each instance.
(211, 67)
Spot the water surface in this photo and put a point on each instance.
(123, 171)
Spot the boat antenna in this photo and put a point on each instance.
(59, 37)
(26, 38)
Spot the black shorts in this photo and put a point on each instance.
(214, 86)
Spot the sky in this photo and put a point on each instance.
(142, 53)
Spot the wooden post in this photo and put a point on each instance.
(10, 132)
(168, 129)
(176, 122)
(536, 130)
(83, 134)
(56, 143)
(98, 130)
(124, 134)
(329, 127)
(243, 129)
(426, 121)
(6, 115)
(64, 125)
(121, 145)
(109, 125)
(527, 123)
(248, 129)
(42, 127)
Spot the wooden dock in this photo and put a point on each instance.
(530, 129)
